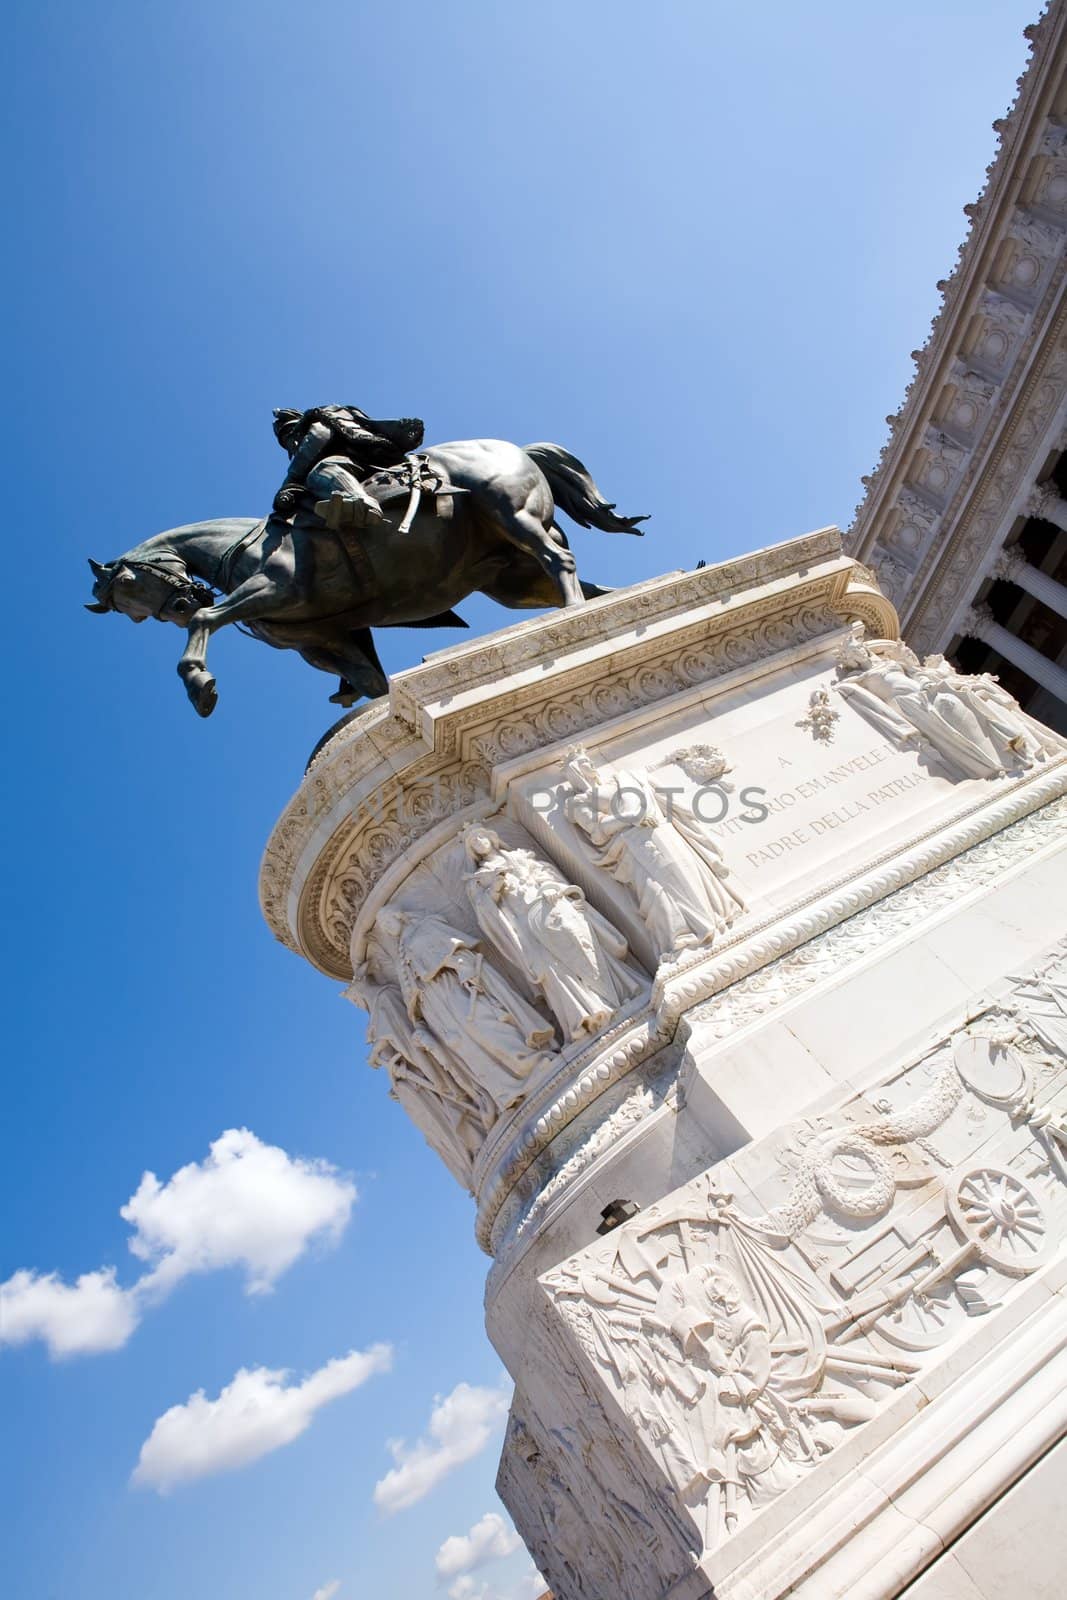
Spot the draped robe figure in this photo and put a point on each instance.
(545, 928)
(673, 869)
(1016, 736)
(908, 702)
(441, 1101)
(470, 1012)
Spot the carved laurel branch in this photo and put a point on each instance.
(764, 972)
(815, 1186)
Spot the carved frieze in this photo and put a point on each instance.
(743, 1345)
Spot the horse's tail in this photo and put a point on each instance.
(575, 492)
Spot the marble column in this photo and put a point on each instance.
(1046, 502)
(1012, 567)
(979, 623)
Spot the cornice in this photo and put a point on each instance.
(390, 776)
(1008, 216)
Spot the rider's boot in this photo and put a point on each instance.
(343, 511)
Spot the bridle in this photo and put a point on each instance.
(203, 594)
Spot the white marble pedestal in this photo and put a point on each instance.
(694, 907)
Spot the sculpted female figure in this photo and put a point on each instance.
(470, 1012)
(908, 702)
(445, 1105)
(1017, 737)
(545, 928)
(674, 871)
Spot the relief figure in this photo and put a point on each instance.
(546, 929)
(673, 868)
(471, 1013)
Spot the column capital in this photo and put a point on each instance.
(976, 620)
(1008, 565)
(1046, 502)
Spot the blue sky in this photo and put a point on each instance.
(693, 243)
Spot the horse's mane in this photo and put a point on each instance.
(155, 548)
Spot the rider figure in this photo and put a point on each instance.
(330, 449)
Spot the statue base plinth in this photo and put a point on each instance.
(810, 1048)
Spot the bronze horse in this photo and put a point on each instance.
(299, 584)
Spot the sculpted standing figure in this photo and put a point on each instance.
(471, 1013)
(545, 928)
(448, 1109)
(674, 871)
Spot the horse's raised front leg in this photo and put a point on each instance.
(258, 596)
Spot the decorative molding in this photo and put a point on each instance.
(995, 350)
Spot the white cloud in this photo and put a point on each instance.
(255, 1413)
(82, 1318)
(247, 1204)
(529, 1586)
(467, 1588)
(489, 1540)
(460, 1426)
(328, 1590)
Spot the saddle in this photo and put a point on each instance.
(414, 477)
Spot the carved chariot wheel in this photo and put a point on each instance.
(1001, 1217)
(923, 1321)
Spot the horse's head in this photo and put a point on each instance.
(141, 589)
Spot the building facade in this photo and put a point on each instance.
(964, 519)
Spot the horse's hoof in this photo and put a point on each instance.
(207, 699)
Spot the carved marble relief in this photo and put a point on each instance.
(971, 396)
(584, 1514)
(656, 848)
(821, 717)
(1002, 324)
(743, 1347)
(1050, 186)
(1032, 245)
(703, 763)
(452, 1111)
(973, 726)
(569, 954)
(484, 965)
(471, 1012)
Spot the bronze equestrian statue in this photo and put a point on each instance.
(363, 534)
